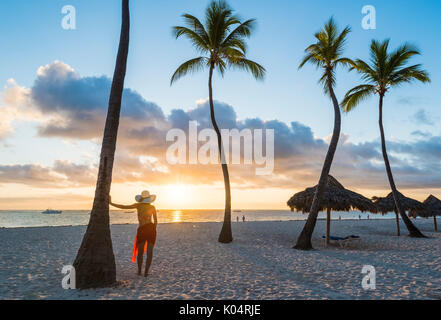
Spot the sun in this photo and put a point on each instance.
(178, 194)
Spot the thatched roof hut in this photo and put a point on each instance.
(387, 204)
(432, 209)
(335, 197)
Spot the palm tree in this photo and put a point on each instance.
(384, 71)
(221, 43)
(95, 261)
(326, 54)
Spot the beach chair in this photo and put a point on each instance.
(343, 242)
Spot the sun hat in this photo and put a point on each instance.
(145, 197)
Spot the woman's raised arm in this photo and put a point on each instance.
(120, 206)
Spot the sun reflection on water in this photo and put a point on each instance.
(177, 216)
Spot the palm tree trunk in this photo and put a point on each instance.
(397, 220)
(413, 231)
(95, 261)
(304, 240)
(328, 226)
(226, 235)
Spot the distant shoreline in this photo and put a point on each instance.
(201, 222)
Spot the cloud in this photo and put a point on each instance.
(13, 107)
(62, 174)
(82, 104)
(69, 106)
(421, 117)
(419, 133)
(411, 101)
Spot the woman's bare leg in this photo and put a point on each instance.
(140, 256)
(149, 259)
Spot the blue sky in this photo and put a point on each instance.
(32, 37)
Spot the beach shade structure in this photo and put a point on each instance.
(335, 198)
(432, 209)
(387, 204)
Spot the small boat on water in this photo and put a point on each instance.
(50, 211)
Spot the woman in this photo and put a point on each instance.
(146, 234)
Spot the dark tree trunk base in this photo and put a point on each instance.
(416, 234)
(95, 262)
(226, 235)
(303, 243)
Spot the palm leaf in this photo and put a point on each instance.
(354, 96)
(190, 66)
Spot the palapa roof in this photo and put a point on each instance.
(432, 208)
(387, 204)
(335, 197)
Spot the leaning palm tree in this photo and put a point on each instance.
(221, 42)
(326, 54)
(95, 261)
(384, 71)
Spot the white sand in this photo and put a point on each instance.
(190, 264)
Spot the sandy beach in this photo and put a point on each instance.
(190, 264)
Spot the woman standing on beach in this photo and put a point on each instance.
(146, 234)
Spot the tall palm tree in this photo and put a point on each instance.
(95, 262)
(326, 54)
(221, 41)
(384, 71)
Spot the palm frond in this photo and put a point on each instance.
(327, 53)
(242, 31)
(190, 66)
(409, 74)
(254, 68)
(311, 58)
(198, 42)
(194, 24)
(346, 62)
(354, 96)
(401, 56)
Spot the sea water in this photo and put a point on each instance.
(34, 218)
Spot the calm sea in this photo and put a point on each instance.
(20, 218)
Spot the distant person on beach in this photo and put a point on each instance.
(243, 218)
(146, 234)
(237, 218)
(359, 217)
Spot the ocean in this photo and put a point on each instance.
(34, 218)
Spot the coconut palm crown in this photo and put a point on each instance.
(384, 71)
(220, 40)
(327, 52)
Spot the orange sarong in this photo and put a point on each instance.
(146, 234)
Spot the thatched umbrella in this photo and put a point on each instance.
(335, 197)
(387, 204)
(432, 209)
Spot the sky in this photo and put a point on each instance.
(54, 84)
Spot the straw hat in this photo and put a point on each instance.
(145, 197)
